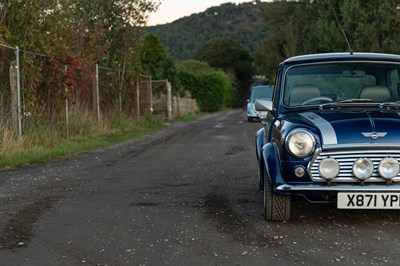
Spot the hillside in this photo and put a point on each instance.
(242, 22)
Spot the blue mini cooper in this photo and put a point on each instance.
(331, 133)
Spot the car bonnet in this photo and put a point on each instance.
(352, 128)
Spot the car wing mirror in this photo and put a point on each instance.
(263, 105)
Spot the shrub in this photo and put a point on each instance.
(211, 88)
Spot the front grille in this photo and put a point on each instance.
(347, 158)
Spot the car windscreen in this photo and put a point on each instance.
(261, 92)
(335, 82)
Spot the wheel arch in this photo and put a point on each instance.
(260, 142)
(272, 163)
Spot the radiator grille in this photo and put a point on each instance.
(346, 160)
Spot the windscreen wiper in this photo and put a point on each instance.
(389, 105)
(356, 100)
(343, 103)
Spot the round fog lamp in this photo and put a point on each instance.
(388, 168)
(329, 168)
(363, 168)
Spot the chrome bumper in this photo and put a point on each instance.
(339, 188)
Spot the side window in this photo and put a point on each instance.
(276, 87)
(394, 83)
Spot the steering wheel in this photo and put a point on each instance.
(316, 99)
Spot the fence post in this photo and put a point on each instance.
(18, 92)
(97, 94)
(138, 97)
(150, 92)
(13, 87)
(169, 100)
(66, 102)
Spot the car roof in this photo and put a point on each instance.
(342, 57)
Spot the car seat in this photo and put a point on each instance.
(376, 93)
(301, 93)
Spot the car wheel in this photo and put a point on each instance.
(276, 207)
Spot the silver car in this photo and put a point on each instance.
(259, 92)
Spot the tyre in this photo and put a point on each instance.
(276, 207)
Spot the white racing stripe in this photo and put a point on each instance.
(328, 133)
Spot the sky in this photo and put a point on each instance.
(171, 10)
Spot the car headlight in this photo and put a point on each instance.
(300, 143)
(388, 168)
(363, 168)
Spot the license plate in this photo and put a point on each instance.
(365, 200)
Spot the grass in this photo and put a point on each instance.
(40, 144)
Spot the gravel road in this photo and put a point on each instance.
(186, 195)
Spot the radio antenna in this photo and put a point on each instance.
(341, 29)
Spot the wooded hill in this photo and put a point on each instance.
(243, 23)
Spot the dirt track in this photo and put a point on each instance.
(184, 196)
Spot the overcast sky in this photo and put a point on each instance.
(171, 10)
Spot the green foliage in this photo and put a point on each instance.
(211, 88)
(242, 22)
(194, 66)
(224, 53)
(81, 33)
(154, 59)
(231, 57)
(211, 92)
(71, 37)
(269, 55)
(301, 27)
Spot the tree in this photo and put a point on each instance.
(194, 66)
(301, 27)
(269, 54)
(76, 34)
(241, 22)
(286, 21)
(374, 26)
(231, 57)
(154, 59)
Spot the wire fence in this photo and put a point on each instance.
(38, 89)
(6, 67)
